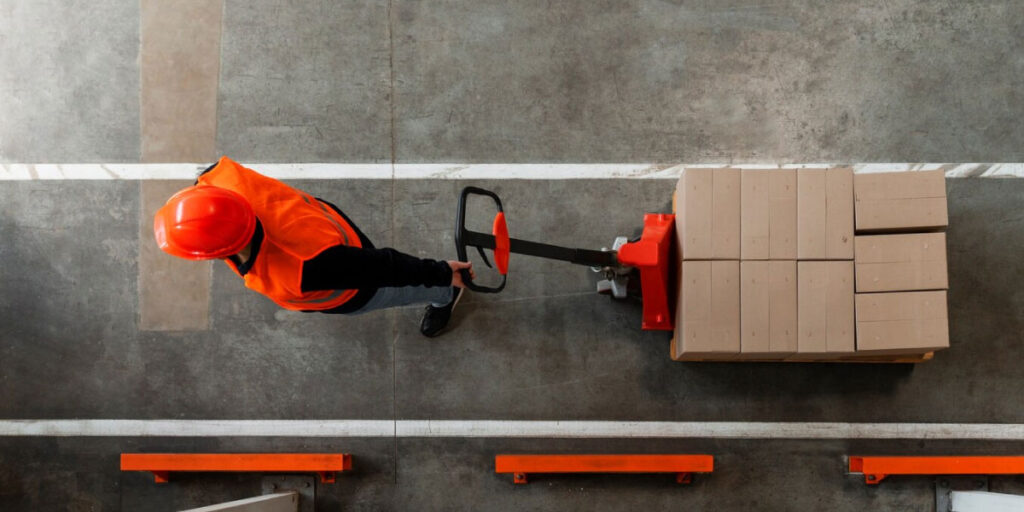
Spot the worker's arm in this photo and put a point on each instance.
(344, 268)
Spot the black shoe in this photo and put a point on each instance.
(435, 319)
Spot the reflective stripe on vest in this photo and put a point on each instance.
(327, 213)
(334, 294)
(296, 228)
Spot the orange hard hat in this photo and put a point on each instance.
(204, 222)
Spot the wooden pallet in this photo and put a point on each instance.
(901, 358)
(887, 358)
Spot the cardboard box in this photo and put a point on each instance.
(768, 322)
(755, 210)
(708, 214)
(810, 220)
(708, 311)
(825, 311)
(902, 322)
(768, 214)
(904, 201)
(901, 262)
(839, 215)
(825, 214)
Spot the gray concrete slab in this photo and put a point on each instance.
(305, 82)
(458, 474)
(69, 81)
(174, 293)
(72, 347)
(490, 82)
(180, 68)
(83, 474)
(263, 362)
(748, 475)
(568, 82)
(68, 301)
(650, 80)
(550, 348)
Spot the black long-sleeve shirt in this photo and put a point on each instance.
(365, 268)
(368, 268)
(342, 268)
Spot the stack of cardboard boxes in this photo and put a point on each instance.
(769, 259)
(900, 258)
(825, 267)
(708, 230)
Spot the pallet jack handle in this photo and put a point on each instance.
(498, 240)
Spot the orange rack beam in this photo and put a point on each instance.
(161, 464)
(682, 465)
(876, 469)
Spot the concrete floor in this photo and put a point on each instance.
(538, 81)
(457, 475)
(492, 81)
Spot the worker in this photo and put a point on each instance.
(300, 251)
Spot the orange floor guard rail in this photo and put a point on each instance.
(161, 464)
(682, 465)
(876, 469)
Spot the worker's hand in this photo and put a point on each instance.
(457, 276)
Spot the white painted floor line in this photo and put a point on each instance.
(188, 171)
(199, 428)
(511, 429)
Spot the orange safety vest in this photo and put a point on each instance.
(296, 227)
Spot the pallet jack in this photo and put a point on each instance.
(649, 256)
